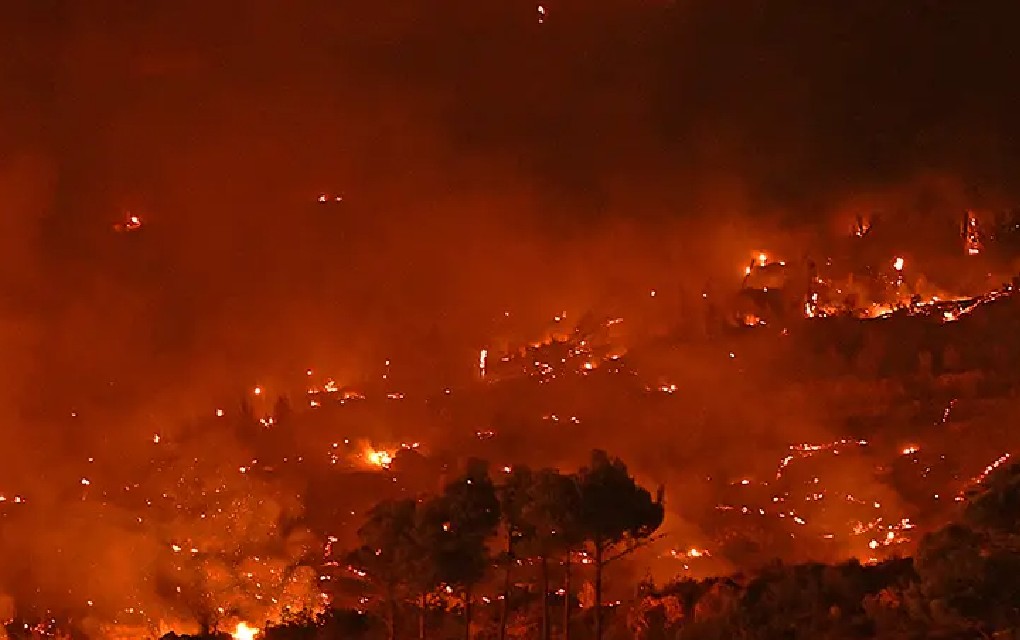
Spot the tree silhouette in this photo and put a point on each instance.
(455, 529)
(514, 495)
(616, 515)
(551, 517)
(389, 552)
(952, 570)
(282, 410)
(970, 570)
(995, 505)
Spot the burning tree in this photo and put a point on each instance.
(615, 515)
(231, 549)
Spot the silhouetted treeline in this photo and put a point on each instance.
(964, 581)
(516, 526)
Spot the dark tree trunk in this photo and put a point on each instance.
(422, 613)
(598, 590)
(544, 567)
(391, 614)
(504, 613)
(467, 613)
(566, 599)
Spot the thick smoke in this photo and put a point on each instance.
(494, 172)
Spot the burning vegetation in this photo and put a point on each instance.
(244, 518)
(507, 321)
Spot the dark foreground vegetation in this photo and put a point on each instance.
(963, 582)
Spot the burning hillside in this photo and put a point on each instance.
(264, 268)
(236, 518)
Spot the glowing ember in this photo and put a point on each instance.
(130, 223)
(987, 471)
(971, 234)
(861, 227)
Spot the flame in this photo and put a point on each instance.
(244, 632)
(751, 320)
(971, 235)
(898, 264)
(381, 459)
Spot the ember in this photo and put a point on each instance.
(319, 316)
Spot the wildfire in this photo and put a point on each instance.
(981, 477)
(971, 234)
(751, 320)
(582, 350)
(381, 459)
(861, 227)
(244, 632)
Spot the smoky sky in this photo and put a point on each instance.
(494, 172)
(477, 152)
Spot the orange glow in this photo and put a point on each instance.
(381, 459)
(537, 259)
(131, 222)
(243, 632)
